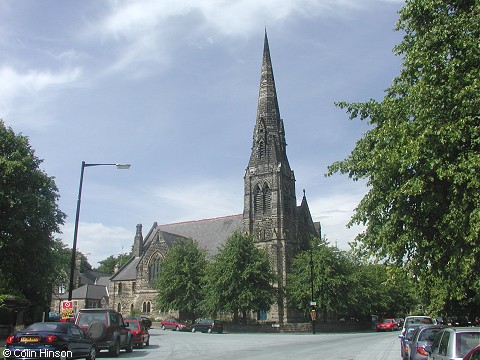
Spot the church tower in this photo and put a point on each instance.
(270, 210)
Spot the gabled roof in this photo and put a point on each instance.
(128, 271)
(89, 291)
(209, 233)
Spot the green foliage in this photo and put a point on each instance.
(239, 279)
(346, 286)
(108, 265)
(29, 216)
(421, 158)
(179, 282)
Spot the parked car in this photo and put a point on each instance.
(51, 340)
(107, 328)
(406, 338)
(208, 325)
(416, 320)
(147, 322)
(453, 343)
(473, 354)
(140, 333)
(387, 325)
(422, 336)
(175, 324)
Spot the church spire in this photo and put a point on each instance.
(269, 144)
(267, 97)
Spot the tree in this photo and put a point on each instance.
(109, 264)
(346, 285)
(29, 216)
(422, 155)
(239, 279)
(179, 283)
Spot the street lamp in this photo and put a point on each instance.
(313, 304)
(77, 217)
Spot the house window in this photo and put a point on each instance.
(119, 307)
(134, 284)
(119, 288)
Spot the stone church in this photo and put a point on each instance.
(270, 213)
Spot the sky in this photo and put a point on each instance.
(171, 87)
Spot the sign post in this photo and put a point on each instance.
(67, 309)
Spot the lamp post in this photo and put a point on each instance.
(77, 217)
(313, 304)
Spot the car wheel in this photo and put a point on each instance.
(115, 351)
(193, 329)
(163, 327)
(92, 354)
(97, 330)
(129, 347)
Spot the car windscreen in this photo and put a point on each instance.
(428, 334)
(466, 341)
(47, 327)
(87, 318)
(420, 320)
(133, 325)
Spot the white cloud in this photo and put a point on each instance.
(335, 210)
(26, 87)
(148, 30)
(97, 241)
(200, 199)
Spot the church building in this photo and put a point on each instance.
(270, 214)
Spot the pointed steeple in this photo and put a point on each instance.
(267, 97)
(269, 144)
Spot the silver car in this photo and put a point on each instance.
(453, 343)
(424, 335)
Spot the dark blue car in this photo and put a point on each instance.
(50, 340)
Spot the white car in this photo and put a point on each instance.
(427, 320)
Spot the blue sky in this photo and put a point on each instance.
(171, 87)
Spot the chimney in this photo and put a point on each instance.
(138, 242)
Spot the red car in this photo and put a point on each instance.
(387, 325)
(473, 354)
(175, 324)
(140, 333)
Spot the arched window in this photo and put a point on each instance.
(267, 199)
(154, 268)
(146, 307)
(119, 288)
(257, 201)
(262, 198)
(261, 150)
(131, 309)
(119, 307)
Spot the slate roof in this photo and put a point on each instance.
(209, 233)
(128, 271)
(89, 276)
(89, 291)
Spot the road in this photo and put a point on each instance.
(173, 345)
